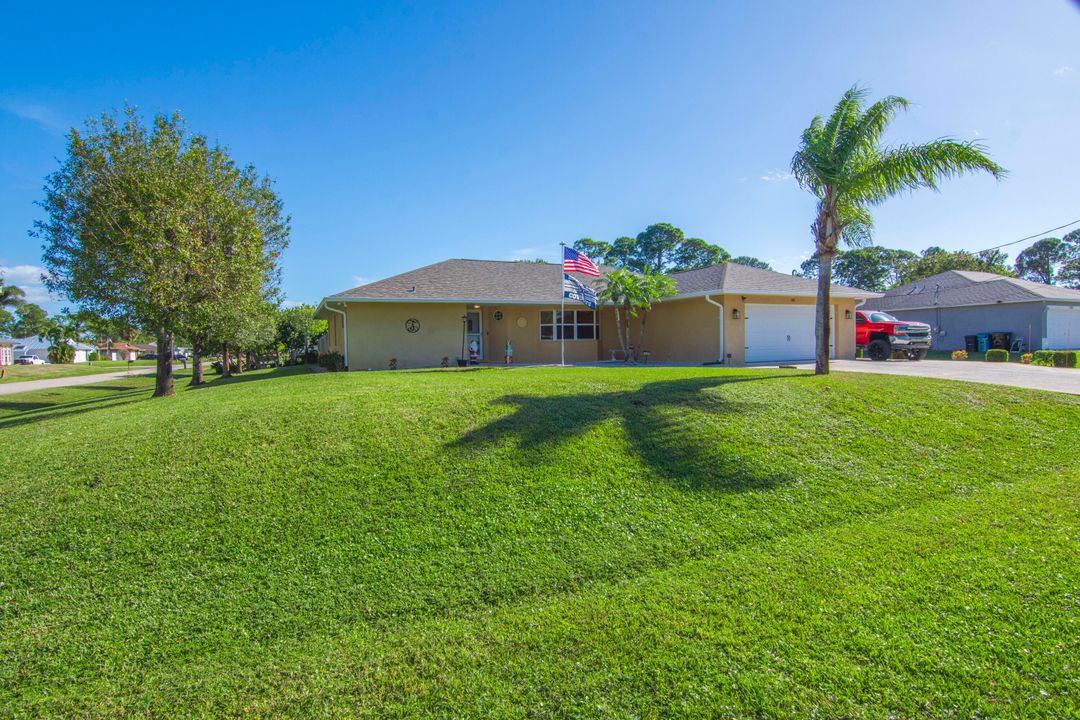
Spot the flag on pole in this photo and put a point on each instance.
(577, 291)
(573, 261)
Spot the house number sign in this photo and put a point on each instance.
(412, 325)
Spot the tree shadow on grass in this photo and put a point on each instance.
(662, 423)
(28, 412)
(214, 380)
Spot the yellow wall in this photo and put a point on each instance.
(689, 330)
(677, 331)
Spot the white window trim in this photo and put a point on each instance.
(595, 325)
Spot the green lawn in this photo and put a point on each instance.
(602, 542)
(19, 373)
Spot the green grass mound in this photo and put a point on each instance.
(541, 543)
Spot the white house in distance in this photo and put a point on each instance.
(35, 346)
(7, 350)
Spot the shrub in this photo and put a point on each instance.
(1026, 358)
(333, 362)
(997, 355)
(959, 355)
(61, 354)
(93, 356)
(1056, 358)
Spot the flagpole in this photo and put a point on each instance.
(561, 325)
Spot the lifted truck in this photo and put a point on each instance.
(880, 335)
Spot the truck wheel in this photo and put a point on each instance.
(879, 350)
(916, 355)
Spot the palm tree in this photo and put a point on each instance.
(10, 296)
(632, 293)
(841, 160)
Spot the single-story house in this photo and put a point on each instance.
(7, 350)
(36, 346)
(959, 303)
(730, 314)
(118, 351)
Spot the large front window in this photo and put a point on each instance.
(569, 325)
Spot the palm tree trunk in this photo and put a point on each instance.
(641, 332)
(821, 327)
(618, 329)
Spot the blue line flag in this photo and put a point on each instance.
(579, 292)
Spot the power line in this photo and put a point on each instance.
(1032, 237)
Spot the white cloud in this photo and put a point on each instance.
(360, 280)
(28, 277)
(1063, 71)
(529, 253)
(777, 176)
(45, 117)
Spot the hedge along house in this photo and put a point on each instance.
(957, 303)
(726, 313)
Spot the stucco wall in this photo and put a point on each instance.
(689, 330)
(528, 347)
(950, 325)
(377, 333)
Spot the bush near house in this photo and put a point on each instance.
(1056, 358)
(333, 362)
(959, 355)
(1026, 358)
(997, 355)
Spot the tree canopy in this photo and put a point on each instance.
(155, 224)
(660, 248)
(1042, 261)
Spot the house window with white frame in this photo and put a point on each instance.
(569, 325)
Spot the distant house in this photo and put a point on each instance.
(959, 303)
(35, 346)
(726, 313)
(119, 351)
(7, 350)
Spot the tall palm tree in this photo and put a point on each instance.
(842, 161)
(10, 296)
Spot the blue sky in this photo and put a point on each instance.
(401, 134)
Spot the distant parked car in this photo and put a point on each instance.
(148, 356)
(29, 360)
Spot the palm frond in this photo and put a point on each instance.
(867, 132)
(846, 113)
(909, 167)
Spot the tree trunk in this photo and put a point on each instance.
(821, 328)
(641, 331)
(163, 385)
(226, 371)
(196, 360)
(618, 331)
(239, 368)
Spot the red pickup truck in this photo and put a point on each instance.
(880, 335)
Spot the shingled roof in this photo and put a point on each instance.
(495, 281)
(957, 288)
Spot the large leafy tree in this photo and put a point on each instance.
(842, 160)
(297, 328)
(934, 260)
(873, 267)
(659, 248)
(751, 262)
(30, 321)
(1041, 261)
(1069, 272)
(134, 225)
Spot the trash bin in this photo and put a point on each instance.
(1000, 340)
(984, 341)
(971, 343)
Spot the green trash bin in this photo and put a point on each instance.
(984, 341)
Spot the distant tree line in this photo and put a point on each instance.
(660, 248)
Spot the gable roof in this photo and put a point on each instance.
(956, 288)
(498, 281)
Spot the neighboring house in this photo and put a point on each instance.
(119, 351)
(724, 313)
(36, 346)
(7, 350)
(958, 303)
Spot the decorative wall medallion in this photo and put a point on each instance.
(522, 322)
(412, 325)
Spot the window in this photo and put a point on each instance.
(572, 325)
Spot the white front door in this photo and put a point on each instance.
(1062, 328)
(474, 333)
(783, 333)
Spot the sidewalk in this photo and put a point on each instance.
(51, 383)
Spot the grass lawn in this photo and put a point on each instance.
(19, 373)
(605, 542)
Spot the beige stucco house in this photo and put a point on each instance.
(729, 314)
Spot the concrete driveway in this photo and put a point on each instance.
(1065, 380)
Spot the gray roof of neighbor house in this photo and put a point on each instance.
(36, 343)
(956, 288)
(491, 281)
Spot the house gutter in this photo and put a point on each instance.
(344, 333)
(709, 300)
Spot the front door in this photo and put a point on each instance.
(474, 332)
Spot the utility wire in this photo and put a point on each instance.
(1031, 237)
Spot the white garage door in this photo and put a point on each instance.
(776, 333)
(1062, 328)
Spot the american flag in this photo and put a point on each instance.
(573, 261)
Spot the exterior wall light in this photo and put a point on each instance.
(847, 314)
(734, 313)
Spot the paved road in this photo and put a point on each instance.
(1065, 380)
(10, 388)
